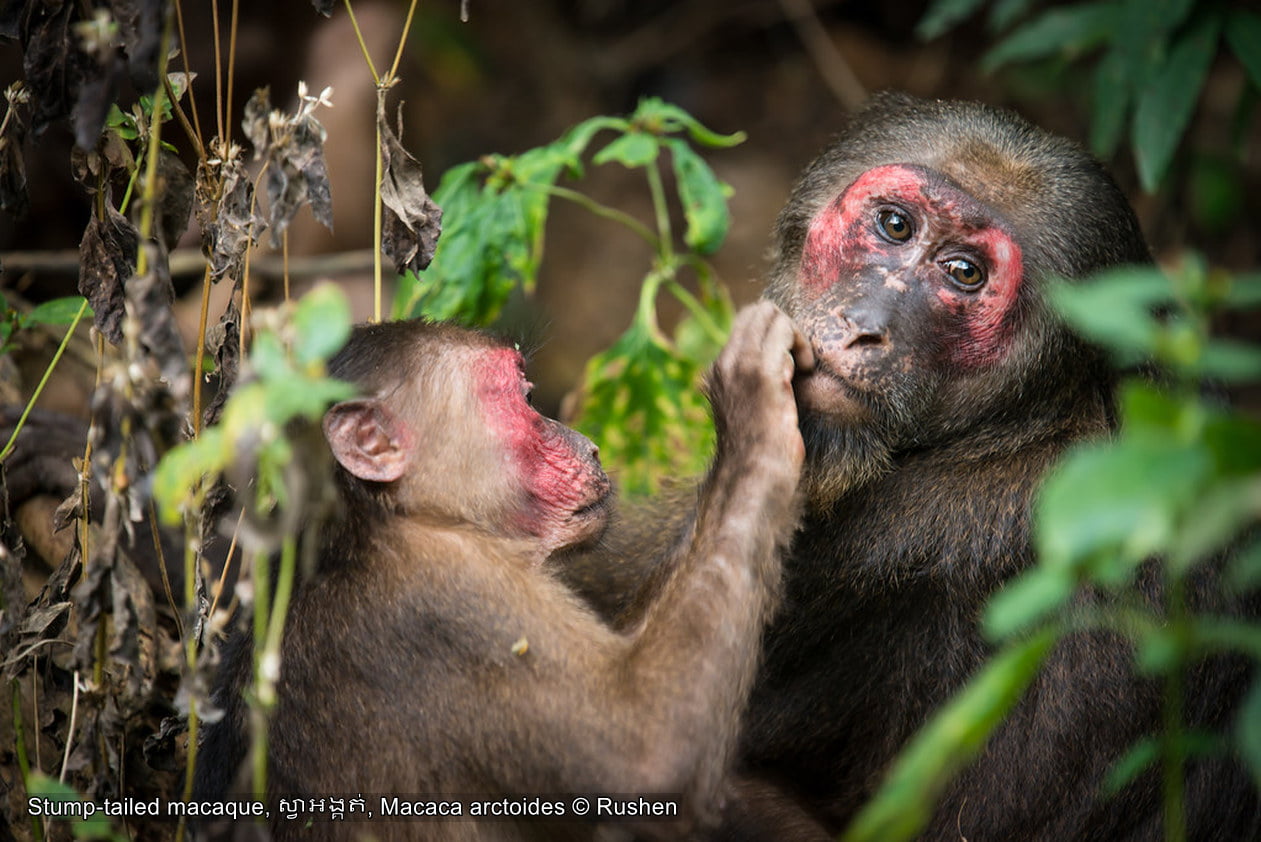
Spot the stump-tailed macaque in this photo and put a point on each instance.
(913, 255)
(435, 650)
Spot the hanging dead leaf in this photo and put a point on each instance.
(151, 299)
(107, 257)
(228, 222)
(412, 221)
(175, 198)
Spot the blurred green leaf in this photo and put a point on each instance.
(1116, 309)
(1106, 507)
(1230, 361)
(1112, 95)
(1006, 12)
(322, 324)
(903, 805)
(59, 311)
(1168, 100)
(704, 199)
(1032, 597)
(636, 149)
(660, 117)
(1243, 33)
(942, 15)
(1068, 29)
(1141, 757)
(1244, 570)
(1249, 730)
(96, 827)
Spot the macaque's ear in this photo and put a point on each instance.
(368, 440)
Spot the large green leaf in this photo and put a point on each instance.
(944, 14)
(1068, 29)
(703, 196)
(1243, 33)
(1168, 100)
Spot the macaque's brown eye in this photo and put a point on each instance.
(965, 274)
(894, 225)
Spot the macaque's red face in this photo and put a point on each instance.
(461, 444)
(565, 490)
(906, 280)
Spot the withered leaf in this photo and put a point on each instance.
(229, 225)
(98, 90)
(107, 257)
(298, 176)
(151, 297)
(175, 204)
(324, 7)
(224, 342)
(254, 122)
(412, 221)
(13, 195)
(140, 22)
(47, 61)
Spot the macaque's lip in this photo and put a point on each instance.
(823, 391)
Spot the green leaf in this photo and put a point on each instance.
(322, 324)
(1116, 309)
(635, 149)
(1141, 757)
(1230, 361)
(1112, 94)
(1250, 730)
(59, 311)
(659, 117)
(1244, 292)
(1243, 573)
(1026, 600)
(97, 826)
(1005, 12)
(1108, 506)
(1066, 30)
(951, 739)
(942, 15)
(644, 409)
(704, 199)
(181, 469)
(1243, 33)
(1168, 100)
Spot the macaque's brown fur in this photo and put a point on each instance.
(435, 650)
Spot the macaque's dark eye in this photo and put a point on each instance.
(965, 274)
(895, 226)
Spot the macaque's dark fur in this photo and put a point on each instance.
(429, 657)
(914, 521)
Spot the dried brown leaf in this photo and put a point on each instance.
(412, 221)
(107, 256)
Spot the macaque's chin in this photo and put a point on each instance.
(824, 393)
(587, 523)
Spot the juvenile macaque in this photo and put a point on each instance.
(436, 650)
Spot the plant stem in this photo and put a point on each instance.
(1173, 731)
(603, 210)
(402, 40)
(43, 381)
(363, 47)
(376, 206)
(665, 245)
(698, 311)
(199, 360)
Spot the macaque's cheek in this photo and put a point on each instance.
(980, 326)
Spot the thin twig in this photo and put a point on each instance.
(833, 67)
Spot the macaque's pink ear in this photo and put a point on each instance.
(368, 440)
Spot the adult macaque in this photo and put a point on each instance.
(436, 651)
(912, 254)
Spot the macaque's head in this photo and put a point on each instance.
(445, 433)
